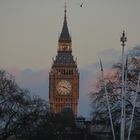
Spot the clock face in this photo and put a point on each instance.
(64, 47)
(64, 87)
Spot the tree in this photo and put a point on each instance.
(20, 113)
(113, 84)
(67, 118)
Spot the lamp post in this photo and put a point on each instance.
(123, 40)
(107, 99)
(133, 110)
(125, 86)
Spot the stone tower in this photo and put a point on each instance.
(64, 75)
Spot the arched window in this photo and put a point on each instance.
(64, 71)
(69, 72)
(72, 72)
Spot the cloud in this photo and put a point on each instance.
(110, 56)
(34, 80)
(37, 81)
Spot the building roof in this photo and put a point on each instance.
(64, 58)
(65, 36)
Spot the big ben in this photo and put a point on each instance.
(64, 75)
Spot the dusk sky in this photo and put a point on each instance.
(29, 31)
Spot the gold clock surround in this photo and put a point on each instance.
(64, 87)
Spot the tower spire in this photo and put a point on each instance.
(65, 11)
(65, 36)
(65, 7)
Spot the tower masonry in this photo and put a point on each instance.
(64, 75)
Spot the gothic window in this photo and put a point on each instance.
(59, 72)
(66, 72)
(62, 71)
(59, 109)
(72, 72)
(56, 108)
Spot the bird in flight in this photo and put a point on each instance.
(81, 5)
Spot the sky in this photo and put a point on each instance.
(29, 31)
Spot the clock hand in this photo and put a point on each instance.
(64, 87)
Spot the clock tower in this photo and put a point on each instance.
(64, 75)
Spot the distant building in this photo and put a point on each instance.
(100, 130)
(82, 123)
(64, 75)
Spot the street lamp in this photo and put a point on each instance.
(123, 40)
(107, 99)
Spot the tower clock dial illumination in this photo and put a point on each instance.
(64, 87)
(64, 47)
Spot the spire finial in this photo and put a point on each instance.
(65, 36)
(65, 7)
(123, 39)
